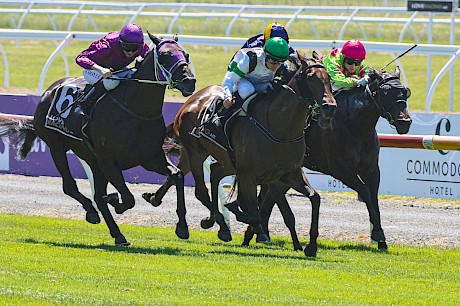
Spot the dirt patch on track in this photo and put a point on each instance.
(409, 221)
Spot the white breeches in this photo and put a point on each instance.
(246, 88)
(92, 76)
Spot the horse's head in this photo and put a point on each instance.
(390, 97)
(313, 84)
(170, 65)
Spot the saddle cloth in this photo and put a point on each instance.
(61, 116)
(211, 126)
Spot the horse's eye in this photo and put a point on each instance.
(165, 58)
(187, 57)
(408, 92)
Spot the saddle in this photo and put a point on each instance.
(212, 126)
(61, 116)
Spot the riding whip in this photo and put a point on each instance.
(399, 56)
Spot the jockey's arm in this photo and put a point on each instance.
(237, 69)
(105, 72)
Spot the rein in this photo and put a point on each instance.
(386, 114)
(313, 109)
(159, 71)
(126, 108)
(271, 137)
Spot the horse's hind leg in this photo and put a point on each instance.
(216, 175)
(69, 184)
(202, 193)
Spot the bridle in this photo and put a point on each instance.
(315, 107)
(384, 86)
(164, 75)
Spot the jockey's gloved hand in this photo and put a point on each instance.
(362, 81)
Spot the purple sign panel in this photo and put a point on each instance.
(39, 161)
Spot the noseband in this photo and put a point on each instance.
(164, 75)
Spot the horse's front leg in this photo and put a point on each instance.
(100, 191)
(298, 181)
(247, 201)
(161, 165)
(372, 203)
(114, 175)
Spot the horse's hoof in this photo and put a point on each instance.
(262, 238)
(150, 197)
(245, 243)
(182, 232)
(207, 223)
(233, 207)
(297, 248)
(121, 241)
(111, 199)
(225, 236)
(382, 245)
(310, 251)
(121, 208)
(93, 218)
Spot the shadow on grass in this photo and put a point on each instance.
(110, 248)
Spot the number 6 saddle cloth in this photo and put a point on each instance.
(61, 116)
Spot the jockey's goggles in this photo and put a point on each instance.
(351, 61)
(273, 61)
(130, 47)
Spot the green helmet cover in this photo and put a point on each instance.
(277, 48)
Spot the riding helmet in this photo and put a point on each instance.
(354, 49)
(131, 34)
(277, 48)
(275, 30)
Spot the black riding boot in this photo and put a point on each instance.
(225, 113)
(85, 106)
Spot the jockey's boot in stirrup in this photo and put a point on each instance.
(85, 105)
(225, 113)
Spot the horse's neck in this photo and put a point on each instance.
(284, 116)
(362, 112)
(144, 99)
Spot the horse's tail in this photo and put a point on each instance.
(22, 132)
(171, 144)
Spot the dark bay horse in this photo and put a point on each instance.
(127, 129)
(348, 150)
(268, 143)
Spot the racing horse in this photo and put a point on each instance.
(348, 150)
(126, 129)
(268, 143)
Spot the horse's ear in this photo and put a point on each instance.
(315, 55)
(175, 37)
(154, 39)
(397, 71)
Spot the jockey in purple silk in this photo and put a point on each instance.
(114, 51)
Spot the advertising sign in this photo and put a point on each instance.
(413, 172)
(430, 6)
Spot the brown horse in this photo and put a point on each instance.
(268, 144)
(126, 130)
(349, 149)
